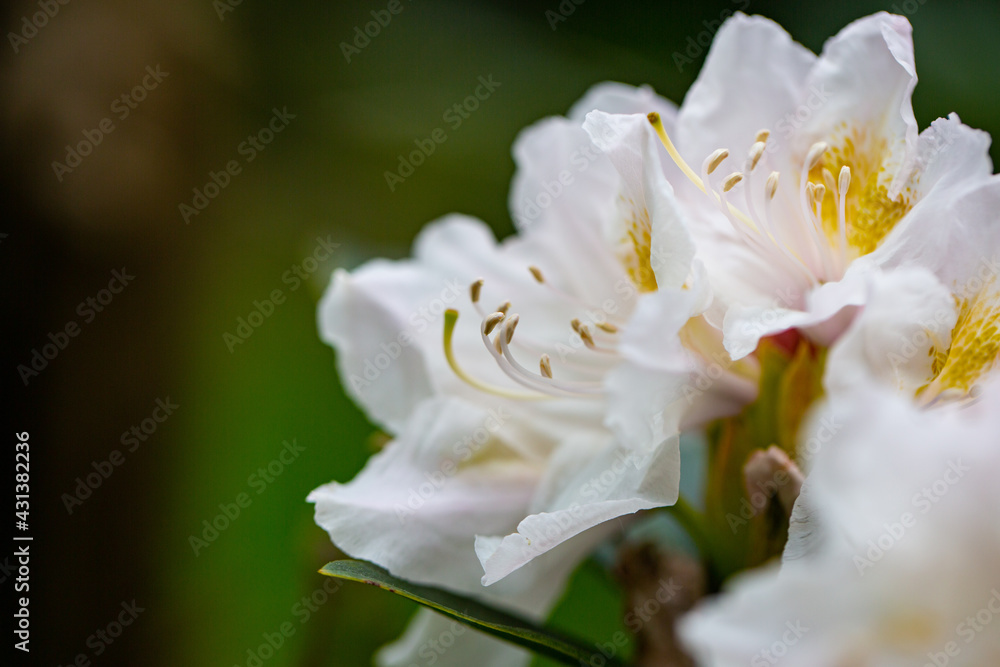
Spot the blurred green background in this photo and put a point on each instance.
(322, 176)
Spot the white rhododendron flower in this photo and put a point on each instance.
(495, 463)
(932, 333)
(809, 172)
(908, 572)
(534, 389)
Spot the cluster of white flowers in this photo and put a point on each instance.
(545, 398)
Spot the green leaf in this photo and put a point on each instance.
(498, 623)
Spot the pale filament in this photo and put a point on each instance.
(762, 233)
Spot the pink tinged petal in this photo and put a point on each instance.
(618, 482)
(828, 310)
(647, 205)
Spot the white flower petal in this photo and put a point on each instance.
(614, 97)
(417, 505)
(864, 80)
(585, 493)
(744, 326)
(752, 79)
(908, 312)
(647, 201)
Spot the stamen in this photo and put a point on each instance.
(831, 184)
(842, 187)
(771, 187)
(814, 155)
(715, 159)
(807, 194)
(762, 136)
(756, 151)
(575, 323)
(450, 318)
(490, 323)
(537, 273)
(767, 225)
(819, 192)
(523, 376)
(511, 325)
(504, 307)
(475, 289)
(654, 120)
(545, 365)
(606, 326)
(588, 339)
(731, 180)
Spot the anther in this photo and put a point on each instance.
(762, 136)
(475, 288)
(819, 192)
(511, 325)
(815, 154)
(771, 187)
(845, 178)
(715, 159)
(575, 323)
(545, 365)
(756, 151)
(731, 180)
(831, 184)
(607, 326)
(588, 339)
(491, 322)
(504, 307)
(537, 273)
